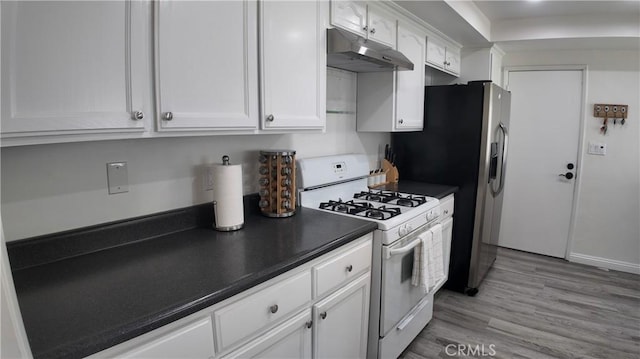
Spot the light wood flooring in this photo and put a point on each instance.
(532, 306)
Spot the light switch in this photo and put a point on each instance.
(117, 177)
(597, 149)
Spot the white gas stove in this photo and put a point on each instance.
(338, 184)
(398, 310)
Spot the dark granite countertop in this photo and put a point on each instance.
(79, 305)
(427, 189)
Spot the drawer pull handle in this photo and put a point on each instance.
(446, 211)
(309, 324)
(349, 268)
(273, 309)
(323, 315)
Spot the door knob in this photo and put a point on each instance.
(168, 116)
(323, 315)
(567, 175)
(570, 166)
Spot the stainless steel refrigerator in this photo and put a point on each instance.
(464, 143)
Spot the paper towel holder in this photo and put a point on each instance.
(225, 162)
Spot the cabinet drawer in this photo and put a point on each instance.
(251, 314)
(192, 341)
(342, 268)
(446, 205)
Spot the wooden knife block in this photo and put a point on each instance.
(391, 171)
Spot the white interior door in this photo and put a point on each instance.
(544, 139)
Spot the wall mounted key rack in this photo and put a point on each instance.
(617, 113)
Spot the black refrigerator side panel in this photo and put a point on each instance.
(447, 152)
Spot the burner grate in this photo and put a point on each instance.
(389, 197)
(361, 209)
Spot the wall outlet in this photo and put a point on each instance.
(117, 177)
(207, 178)
(599, 149)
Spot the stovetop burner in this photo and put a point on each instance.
(389, 197)
(361, 209)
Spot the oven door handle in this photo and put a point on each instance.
(389, 252)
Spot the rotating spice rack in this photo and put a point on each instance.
(277, 183)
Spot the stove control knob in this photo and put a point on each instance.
(409, 229)
(431, 215)
(402, 231)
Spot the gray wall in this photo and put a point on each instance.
(607, 229)
(56, 187)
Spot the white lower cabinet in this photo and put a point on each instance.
(284, 317)
(192, 341)
(291, 339)
(341, 321)
(447, 233)
(446, 204)
(251, 314)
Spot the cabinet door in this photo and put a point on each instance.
(206, 59)
(341, 322)
(192, 341)
(350, 15)
(410, 84)
(382, 27)
(293, 64)
(453, 61)
(73, 67)
(447, 232)
(291, 339)
(436, 55)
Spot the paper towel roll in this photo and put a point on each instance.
(227, 197)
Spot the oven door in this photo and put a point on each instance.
(398, 296)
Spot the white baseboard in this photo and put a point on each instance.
(605, 263)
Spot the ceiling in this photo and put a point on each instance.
(519, 9)
(520, 25)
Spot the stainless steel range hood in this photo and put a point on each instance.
(353, 53)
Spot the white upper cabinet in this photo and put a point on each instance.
(394, 101)
(381, 26)
(436, 53)
(350, 15)
(293, 64)
(410, 88)
(453, 61)
(207, 65)
(74, 67)
(443, 57)
(368, 21)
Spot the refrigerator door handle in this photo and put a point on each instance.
(505, 146)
